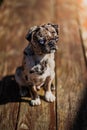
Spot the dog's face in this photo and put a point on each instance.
(43, 38)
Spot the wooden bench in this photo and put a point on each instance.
(69, 111)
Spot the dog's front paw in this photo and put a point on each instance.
(49, 96)
(35, 102)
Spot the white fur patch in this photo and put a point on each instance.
(49, 97)
(49, 34)
(35, 102)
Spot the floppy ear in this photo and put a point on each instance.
(29, 34)
(55, 26)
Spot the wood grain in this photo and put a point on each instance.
(41, 117)
(70, 66)
(69, 112)
(82, 21)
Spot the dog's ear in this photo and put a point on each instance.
(29, 34)
(55, 26)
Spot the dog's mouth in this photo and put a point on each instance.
(53, 50)
(52, 46)
(48, 49)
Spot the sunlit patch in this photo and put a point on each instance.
(85, 35)
(84, 2)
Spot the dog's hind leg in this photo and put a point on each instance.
(35, 97)
(21, 82)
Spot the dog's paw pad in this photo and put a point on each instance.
(35, 102)
(49, 97)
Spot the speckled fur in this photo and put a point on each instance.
(38, 61)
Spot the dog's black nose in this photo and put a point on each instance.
(51, 44)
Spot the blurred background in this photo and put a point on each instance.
(16, 16)
(82, 11)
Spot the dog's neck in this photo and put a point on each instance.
(36, 51)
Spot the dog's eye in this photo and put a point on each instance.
(41, 41)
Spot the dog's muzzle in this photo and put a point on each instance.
(52, 46)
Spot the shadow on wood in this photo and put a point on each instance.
(9, 90)
(80, 122)
(1, 1)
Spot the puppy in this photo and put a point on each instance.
(38, 64)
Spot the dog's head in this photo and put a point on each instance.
(43, 38)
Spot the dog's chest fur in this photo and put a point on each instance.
(37, 67)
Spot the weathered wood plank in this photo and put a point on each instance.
(10, 23)
(15, 19)
(70, 67)
(41, 117)
(82, 21)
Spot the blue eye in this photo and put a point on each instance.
(41, 41)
